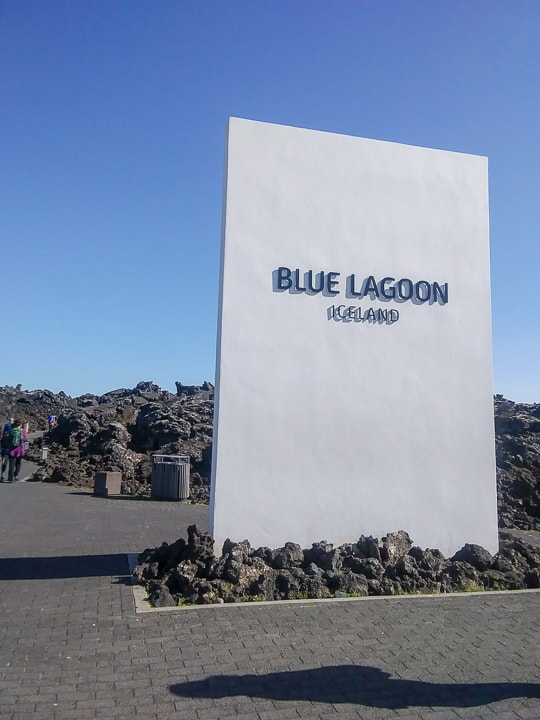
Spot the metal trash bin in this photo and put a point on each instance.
(170, 477)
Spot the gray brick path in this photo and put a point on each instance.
(73, 647)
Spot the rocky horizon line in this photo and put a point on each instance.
(205, 385)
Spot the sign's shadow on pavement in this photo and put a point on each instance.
(359, 684)
(67, 566)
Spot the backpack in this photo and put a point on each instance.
(16, 437)
(5, 442)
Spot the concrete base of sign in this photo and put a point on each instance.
(107, 483)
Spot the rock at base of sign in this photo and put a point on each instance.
(188, 572)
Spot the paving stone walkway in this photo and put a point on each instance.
(73, 647)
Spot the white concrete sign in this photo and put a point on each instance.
(354, 379)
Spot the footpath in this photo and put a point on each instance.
(72, 645)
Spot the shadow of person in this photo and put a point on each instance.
(359, 684)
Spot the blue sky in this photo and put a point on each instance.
(112, 145)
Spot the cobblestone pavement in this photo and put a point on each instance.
(73, 647)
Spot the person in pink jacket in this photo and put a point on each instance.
(18, 439)
(5, 447)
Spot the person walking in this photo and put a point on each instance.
(18, 439)
(5, 443)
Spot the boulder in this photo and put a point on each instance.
(288, 587)
(350, 583)
(313, 570)
(395, 545)
(313, 588)
(368, 547)
(287, 557)
(331, 561)
(370, 567)
(180, 579)
(316, 551)
(163, 598)
(200, 547)
(460, 577)
(475, 555)
(263, 586)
